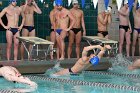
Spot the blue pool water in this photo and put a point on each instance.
(117, 79)
(50, 85)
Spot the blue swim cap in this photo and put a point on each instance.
(59, 2)
(94, 60)
(12, 1)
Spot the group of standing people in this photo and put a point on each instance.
(67, 22)
(125, 28)
(13, 29)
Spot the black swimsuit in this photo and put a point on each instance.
(76, 30)
(29, 28)
(124, 27)
(104, 33)
(13, 30)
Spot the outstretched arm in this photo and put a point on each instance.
(88, 48)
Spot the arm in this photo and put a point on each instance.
(83, 24)
(135, 5)
(88, 48)
(130, 29)
(36, 8)
(72, 20)
(1, 15)
(51, 18)
(109, 19)
(103, 21)
(23, 18)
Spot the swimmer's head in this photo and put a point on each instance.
(109, 8)
(13, 2)
(126, 3)
(75, 4)
(59, 4)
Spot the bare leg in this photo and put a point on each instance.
(135, 35)
(63, 35)
(128, 42)
(52, 36)
(78, 41)
(9, 44)
(139, 43)
(71, 41)
(58, 46)
(100, 35)
(121, 40)
(24, 34)
(106, 36)
(31, 34)
(16, 44)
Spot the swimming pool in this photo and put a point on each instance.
(86, 82)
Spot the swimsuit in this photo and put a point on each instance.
(29, 28)
(104, 33)
(76, 30)
(58, 31)
(138, 30)
(13, 30)
(124, 27)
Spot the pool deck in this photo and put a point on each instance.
(27, 67)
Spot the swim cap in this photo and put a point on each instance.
(59, 2)
(12, 1)
(125, 1)
(109, 9)
(94, 60)
(75, 2)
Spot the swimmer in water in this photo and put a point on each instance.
(12, 74)
(85, 61)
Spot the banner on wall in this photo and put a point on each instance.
(69, 2)
(119, 4)
(95, 3)
(130, 3)
(83, 3)
(106, 3)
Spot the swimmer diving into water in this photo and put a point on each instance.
(85, 61)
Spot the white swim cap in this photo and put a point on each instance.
(74, 2)
(109, 8)
(125, 1)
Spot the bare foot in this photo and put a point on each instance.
(61, 58)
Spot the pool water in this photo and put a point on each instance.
(46, 86)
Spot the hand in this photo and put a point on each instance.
(67, 29)
(33, 2)
(84, 33)
(6, 27)
(33, 84)
(129, 30)
(19, 28)
(107, 46)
